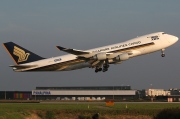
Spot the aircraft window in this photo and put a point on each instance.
(155, 37)
(163, 33)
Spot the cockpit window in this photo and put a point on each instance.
(155, 37)
(163, 33)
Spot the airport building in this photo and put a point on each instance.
(93, 93)
(84, 93)
(15, 95)
(157, 92)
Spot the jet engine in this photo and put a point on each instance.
(122, 57)
(100, 56)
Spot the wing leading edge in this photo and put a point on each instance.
(73, 51)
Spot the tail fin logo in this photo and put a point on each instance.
(21, 54)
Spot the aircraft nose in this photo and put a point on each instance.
(173, 39)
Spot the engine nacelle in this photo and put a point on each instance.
(100, 56)
(122, 57)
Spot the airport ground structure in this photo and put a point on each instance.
(93, 93)
(84, 93)
(90, 93)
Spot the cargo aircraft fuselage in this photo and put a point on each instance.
(99, 58)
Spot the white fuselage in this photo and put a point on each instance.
(160, 41)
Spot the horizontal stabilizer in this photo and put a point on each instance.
(73, 51)
(22, 66)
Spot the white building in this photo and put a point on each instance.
(84, 93)
(157, 92)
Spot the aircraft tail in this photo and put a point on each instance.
(19, 54)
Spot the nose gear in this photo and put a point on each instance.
(163, 54)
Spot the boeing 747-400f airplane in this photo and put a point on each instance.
(98, 58)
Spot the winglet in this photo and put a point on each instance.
(61, 48)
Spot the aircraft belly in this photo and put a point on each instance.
(146, 50)
(77, 66)
(151, 49)
(135, 53)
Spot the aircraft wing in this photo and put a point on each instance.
(58, 66)
(85, 54)
(73, 51)
(88, 56)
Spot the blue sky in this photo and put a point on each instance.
(39, 26)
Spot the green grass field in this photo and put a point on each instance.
(68, 111)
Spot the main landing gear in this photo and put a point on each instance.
(98, 69)
(163, 54)
(105, 68)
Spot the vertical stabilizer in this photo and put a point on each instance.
(19, 54)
